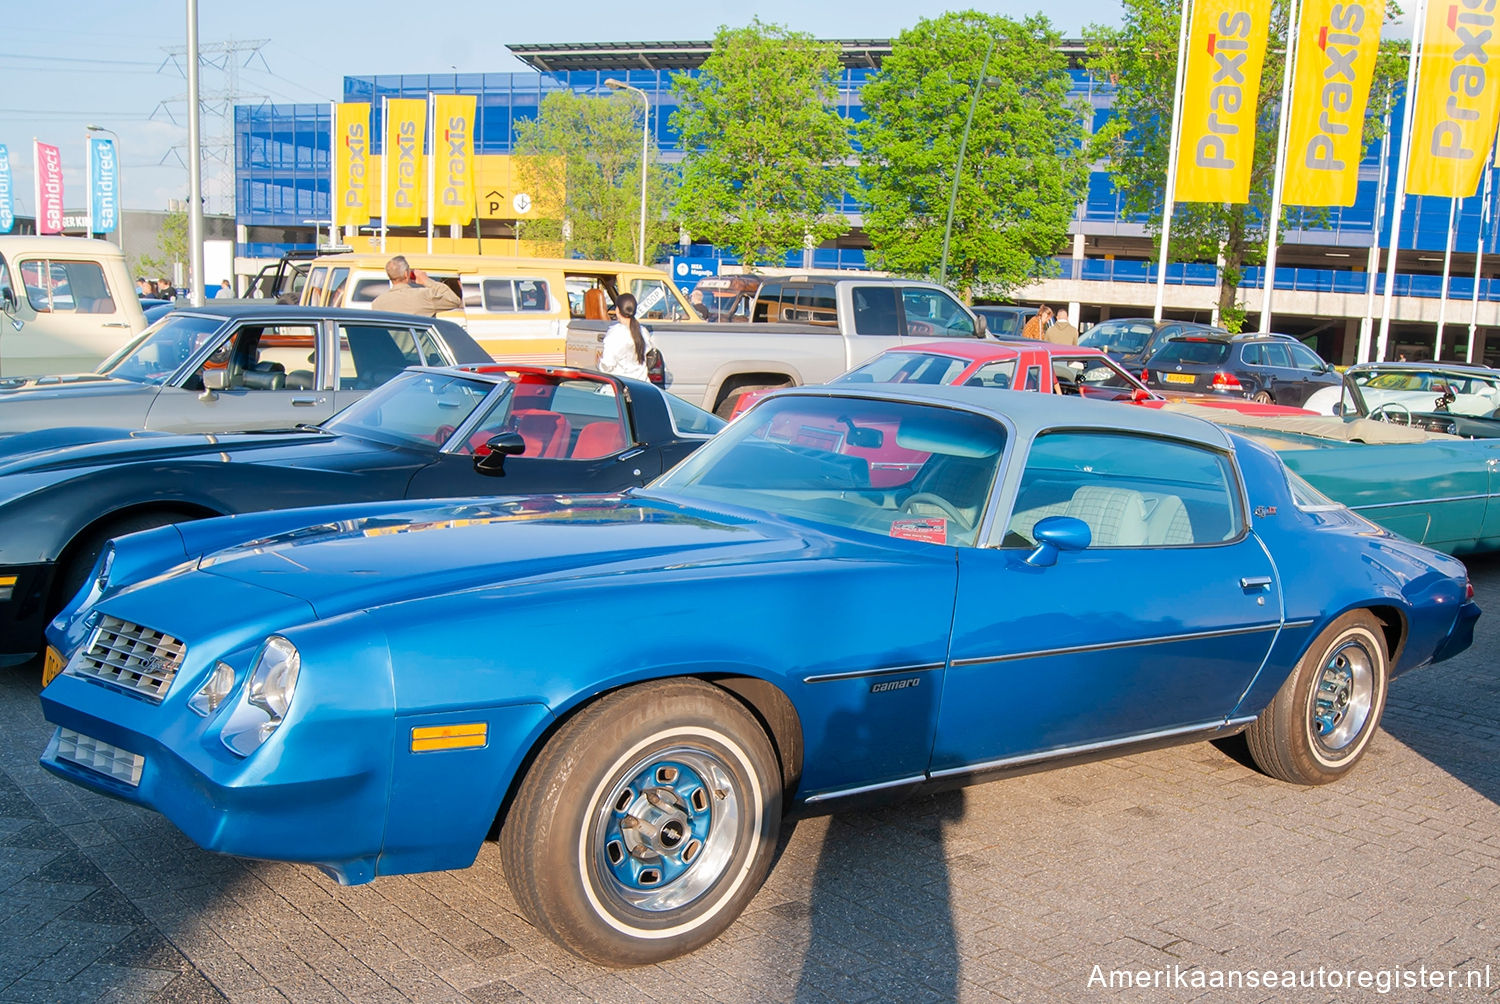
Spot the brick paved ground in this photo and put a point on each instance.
(1010, 891)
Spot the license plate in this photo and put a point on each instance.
(52, 664)
(1178, 377)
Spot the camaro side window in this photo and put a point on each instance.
(1131, 490)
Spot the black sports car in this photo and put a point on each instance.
(430, 433)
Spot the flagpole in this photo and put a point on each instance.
(335, 198)
(1484, 226)
(1437, 345)
(385, 165)
(431, 165)
(1419, 24)
(1268, 287)
(88, 182)
(1172, 143)
(1372, 265)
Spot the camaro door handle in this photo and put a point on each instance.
(307, 402)
(1249, 582)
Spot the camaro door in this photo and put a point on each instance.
(1158, 626)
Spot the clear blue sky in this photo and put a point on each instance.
(68, 63)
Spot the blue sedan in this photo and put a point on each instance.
(850, 593)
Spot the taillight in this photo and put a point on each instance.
(1145, 375)
(1468, 590)
(1226, 381)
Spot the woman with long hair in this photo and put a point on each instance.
(625, 343)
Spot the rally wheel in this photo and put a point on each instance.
(1322, 719)
(646, 824)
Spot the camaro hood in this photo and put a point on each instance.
(438, 549)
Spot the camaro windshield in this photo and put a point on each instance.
(161, 349)
(416, 409)
(893, 468)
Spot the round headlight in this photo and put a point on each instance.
(275, 676)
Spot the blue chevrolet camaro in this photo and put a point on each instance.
(850, 593)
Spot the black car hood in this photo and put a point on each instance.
(62, 449)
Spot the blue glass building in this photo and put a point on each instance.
(282, 178)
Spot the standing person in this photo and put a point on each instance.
(165, 290)
(143, 288)
(225, 290)
(413, 292)
(1036, 324)
(625, 343)
(1063, 332)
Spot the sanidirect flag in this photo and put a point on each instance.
(7, 200)
(49, 189)
(104, 186)
(405, 164)
(453, 148)
(1457, 100)
(1226, 48)
(1336, 48)
(351, 163)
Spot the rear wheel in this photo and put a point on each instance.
(1324, 716)
(646, 825)
(1263, 397)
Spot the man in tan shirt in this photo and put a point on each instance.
(413, 292)
(1062, 332)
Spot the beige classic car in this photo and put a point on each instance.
(65, 304)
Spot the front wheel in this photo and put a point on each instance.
(1325, 714)
(646, 825)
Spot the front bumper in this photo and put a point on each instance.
(23, 610)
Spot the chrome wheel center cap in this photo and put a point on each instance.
(657, 824)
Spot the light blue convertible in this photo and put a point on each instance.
(850, 593)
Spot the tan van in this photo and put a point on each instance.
(65, 304)
(518, 309)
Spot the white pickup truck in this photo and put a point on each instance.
(65, 304)
(804, 329)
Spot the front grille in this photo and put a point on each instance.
(99, 757)
(136, 659)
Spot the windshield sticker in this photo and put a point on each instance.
(932, 529)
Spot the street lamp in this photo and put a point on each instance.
(119, 183)
(963, 144)
(620, 85)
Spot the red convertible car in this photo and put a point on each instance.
(1036, 366)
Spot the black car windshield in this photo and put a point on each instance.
(893, 468)
(416, 409)
(1117, 336)
(1192, 351)
(159, 351)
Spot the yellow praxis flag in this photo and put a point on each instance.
(1337, 43)
(405, 164)
(1226, 48)
(1457, 98)
(351, 164)
(453, 150)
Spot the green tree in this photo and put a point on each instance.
(1022, 176)
(767, 147)
(582, 156)
(1140, 57)
(171, 246)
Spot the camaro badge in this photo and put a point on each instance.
(888, 685)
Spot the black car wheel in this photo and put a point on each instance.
(646, 824)
(1323, 717)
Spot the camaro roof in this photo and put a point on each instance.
(1030, 412)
